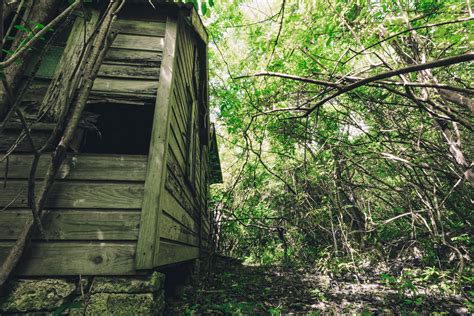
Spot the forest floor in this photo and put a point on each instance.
(237, 289)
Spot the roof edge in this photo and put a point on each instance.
(192, 15)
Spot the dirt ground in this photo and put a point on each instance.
(237, 289)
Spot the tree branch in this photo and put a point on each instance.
(39, 35)
(430, 65)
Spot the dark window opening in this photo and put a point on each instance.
(119, 129)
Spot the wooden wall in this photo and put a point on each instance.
(185, 192)
(96, 209)
(92, 218)
(131, 67)
(130, 71)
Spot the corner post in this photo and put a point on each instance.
(149, 235)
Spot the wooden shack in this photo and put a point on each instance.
(132, 193)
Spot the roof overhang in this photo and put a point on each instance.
(186, 9)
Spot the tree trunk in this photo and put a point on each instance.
(41, 12)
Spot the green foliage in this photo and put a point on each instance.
(202, 6)
(368, 176)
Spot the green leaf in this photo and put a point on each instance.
(20, 27)
(8, 52)
(204, 8)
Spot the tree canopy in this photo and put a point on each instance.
(345, 129)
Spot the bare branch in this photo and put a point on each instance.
(430, 65)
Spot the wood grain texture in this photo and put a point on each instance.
(135, 27)
(10, 137)
(179, 186)
(77, 195)
(173, 230)
(180, 119)
(198, 26)
(180, 101)
(149, 237)
(139, 42)
(74, 224)
(177, 146)
(172, 253)
(125, 86)
(65, 80)
(174, 209)
(189, 188)
(74, 258)
(129, 71)
(134, 56)
(81, 167)
(178, 192)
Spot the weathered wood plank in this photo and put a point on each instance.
(65, 80)
(77, 195)
(172, 253)
(186, 54)
(81, 167)
(180, 101)
(183, 94)
(177, 146)
(181, 179)
(121, 86)
(139, 42)
(177, 188)
(149, 236)
(75, 224)
(74, 258)
(140, 10)
(198, 26)
(206, 224)
(134, 56)
(180, 119)
(129, 71)
(9, 138)
(174, 208)
(173, 230)
(135, 27)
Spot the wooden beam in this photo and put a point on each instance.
(196, 22)
(149, 236)
(129, 71)
(135, 27)
(143, 43)
(73, 194)
(171, 206)
(121, 86)
(81, 167)
(171, 229)
(70, 224)
(173, 253)
(65, 78)
(134, 56)
(75, 258)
